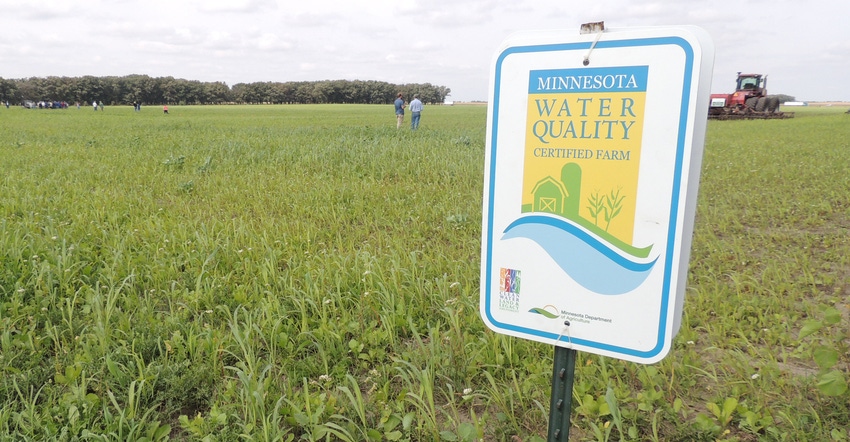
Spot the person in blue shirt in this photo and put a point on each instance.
(399, 111)
(415, 112)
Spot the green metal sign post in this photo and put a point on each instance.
(560, 405)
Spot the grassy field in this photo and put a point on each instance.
(311, 273)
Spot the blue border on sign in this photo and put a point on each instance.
(675, 196)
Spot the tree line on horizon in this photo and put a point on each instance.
(144, 89)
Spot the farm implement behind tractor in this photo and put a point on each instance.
(749, 101)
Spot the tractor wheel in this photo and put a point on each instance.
(772, 104)
(761, 104)
(751, 102)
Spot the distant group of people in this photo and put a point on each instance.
(137, 105)
(51, 105)
(415, 111)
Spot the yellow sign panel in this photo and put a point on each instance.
(582, 147)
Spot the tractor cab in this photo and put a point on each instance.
(749, 82)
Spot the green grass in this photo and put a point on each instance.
(311, 273)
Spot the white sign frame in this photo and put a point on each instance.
(559, 297)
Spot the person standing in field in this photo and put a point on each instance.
(415, 112)
(94, 105)
(165, 109)
(399, 110)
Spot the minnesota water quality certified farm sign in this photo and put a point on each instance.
(594, 144)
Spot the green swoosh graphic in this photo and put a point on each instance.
(543, 312)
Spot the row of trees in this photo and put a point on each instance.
(170, 90)
(336, 91)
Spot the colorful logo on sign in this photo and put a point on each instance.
(509, 284)
(580, 177)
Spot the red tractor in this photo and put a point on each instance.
(749, 101)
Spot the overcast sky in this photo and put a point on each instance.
(803, 46)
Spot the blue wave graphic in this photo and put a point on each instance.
(593, 264)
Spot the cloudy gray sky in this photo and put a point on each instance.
(803, 46)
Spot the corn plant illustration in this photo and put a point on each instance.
(596, 206)
(613, 206)
(608, 206)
